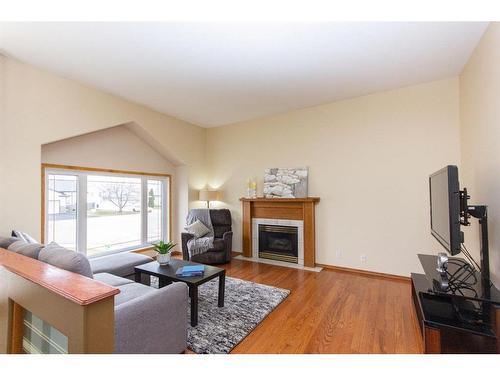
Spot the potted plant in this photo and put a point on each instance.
(164, 250)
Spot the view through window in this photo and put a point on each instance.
(98, 213)
(61, 210)
(155, 211)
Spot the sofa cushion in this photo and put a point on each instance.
(23, 236)
(220, 217)
(197, 229)
(5, 242)
(210, 257)
(110, 279)
(31, 250)
(221, 221)
(220, 230)
(66, 259)
(131, 291)
(219, 245)
(121, 264)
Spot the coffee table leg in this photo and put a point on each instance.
(222, 287)
(193, 293)
(162, 282)
(137, 277)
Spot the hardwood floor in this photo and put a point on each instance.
(331, 312)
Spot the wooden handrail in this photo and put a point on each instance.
(79, 289)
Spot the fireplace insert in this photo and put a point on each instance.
(278, 242)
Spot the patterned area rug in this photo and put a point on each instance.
(246, 304)
(220, 329)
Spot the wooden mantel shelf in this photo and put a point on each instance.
(79, 289)
(297, 200)
(282, 209)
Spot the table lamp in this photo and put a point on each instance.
(208, 196)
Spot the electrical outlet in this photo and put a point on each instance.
(338, 253)
(363, 258)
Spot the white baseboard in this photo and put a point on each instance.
(278, 263)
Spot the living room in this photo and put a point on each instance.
(300, 195)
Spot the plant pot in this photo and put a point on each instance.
(163, 259)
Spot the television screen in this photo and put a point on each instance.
(445, 208)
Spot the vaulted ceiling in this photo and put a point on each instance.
(213, 74)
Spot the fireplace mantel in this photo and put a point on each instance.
(274, 200)
(285, 209)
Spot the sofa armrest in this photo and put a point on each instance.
(228, 244)
(155, 322)
(185, 238)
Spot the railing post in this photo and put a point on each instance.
(72, 307)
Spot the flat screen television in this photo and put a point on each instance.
(445, 208)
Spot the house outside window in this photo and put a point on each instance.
(98, 212)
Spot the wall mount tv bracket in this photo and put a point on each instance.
(466, 272)
(481, 213)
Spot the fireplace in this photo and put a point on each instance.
(278, 242)
(293, 212)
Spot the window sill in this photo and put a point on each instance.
(140, 250)
(145, 250)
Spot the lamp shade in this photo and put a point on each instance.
(209, 195)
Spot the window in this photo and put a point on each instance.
(61, 209)
(100, 212)
(155, 211)
(113, 213)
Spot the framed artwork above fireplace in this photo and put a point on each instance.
(285, 182)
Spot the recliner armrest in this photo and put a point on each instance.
(228, 242)
(185, 237)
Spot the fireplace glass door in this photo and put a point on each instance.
(278, 242)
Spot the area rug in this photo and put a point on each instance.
(220, 329)
(246, 304)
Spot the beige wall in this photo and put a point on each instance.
(117, 148)
(369, 157)
(40, 108)
(480, 139)
(369, 160)
(114, 148)
(3, 157)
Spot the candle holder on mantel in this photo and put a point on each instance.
(251, 189)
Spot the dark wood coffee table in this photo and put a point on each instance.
(166, 275)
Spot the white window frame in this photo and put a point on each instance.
(81, 217)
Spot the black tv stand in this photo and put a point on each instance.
(456, 320)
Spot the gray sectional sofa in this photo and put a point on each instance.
(147, 320)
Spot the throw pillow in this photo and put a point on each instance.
(197, 229)
(31, 250)
(23, 236)
(66, 259)
(5, 242)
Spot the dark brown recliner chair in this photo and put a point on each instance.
(223, 240)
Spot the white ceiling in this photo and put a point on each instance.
(213, 74)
